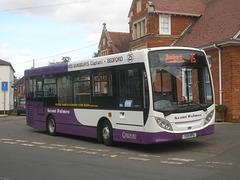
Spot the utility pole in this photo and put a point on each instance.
(33, 63)
(4, 101)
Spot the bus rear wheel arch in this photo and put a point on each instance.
(105, 132)
(51, 126)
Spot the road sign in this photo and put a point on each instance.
(4, 86)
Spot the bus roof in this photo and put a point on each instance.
(137, 56)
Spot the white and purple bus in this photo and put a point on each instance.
(146, 96)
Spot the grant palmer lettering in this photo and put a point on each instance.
(188, 116)
(58, 111)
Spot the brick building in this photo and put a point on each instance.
(19, 90)
(113, 42)
(212, 25)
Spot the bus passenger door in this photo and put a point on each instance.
(130, 97)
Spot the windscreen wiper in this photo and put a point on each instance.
(202, 107)
(174, 110)
(180, 107)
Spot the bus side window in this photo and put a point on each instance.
(82, 90)
(30, 88)
(64, 87)
(102, 84)
(129, 88)
(38, 91)
(49, 91)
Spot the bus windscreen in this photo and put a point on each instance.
(180, 81)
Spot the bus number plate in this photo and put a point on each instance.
(190, 135)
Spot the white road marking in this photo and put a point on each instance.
(78, 147)
(38, 143)
(220, 163)
(155, 156)
(86, 152)
(29, 145)
(139, 159)
(125, 153)
(144, 155)
(111, 155)
(208, 166)
(2, 178)
(66, 149)
(58, 145)
(4, 139)
(182, 160)
(9, 142)
(47, 147)
(21, 141)
(99, 150)
(171, 162)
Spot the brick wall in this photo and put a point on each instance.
(179, 23)
(230, 80)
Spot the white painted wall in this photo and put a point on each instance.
(7, 74)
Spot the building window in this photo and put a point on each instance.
(209, 58)
(139, 29)
(165, 24)
(139, 6)
(135, 31)
(104, 52)
(144, 27)
(104, 42)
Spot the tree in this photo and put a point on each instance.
(95, 54)
(64, 60)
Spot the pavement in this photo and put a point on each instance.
(3, 115)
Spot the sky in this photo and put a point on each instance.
(45, 31)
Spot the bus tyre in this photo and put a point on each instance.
(51, 126)
(107, 133)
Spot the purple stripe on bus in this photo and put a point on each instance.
(52, 69)
(153, 138)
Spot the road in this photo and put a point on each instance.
(27, 153)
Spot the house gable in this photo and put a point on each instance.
(113, 42)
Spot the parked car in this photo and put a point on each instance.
(21, 107)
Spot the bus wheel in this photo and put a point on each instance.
(51, 126)
(107, 133)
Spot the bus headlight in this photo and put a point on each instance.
(163, 123)
(209, 117)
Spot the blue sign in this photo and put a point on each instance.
(4, 86)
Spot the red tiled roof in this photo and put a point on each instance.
(120, 41)
(220, 21)
(195, 7)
